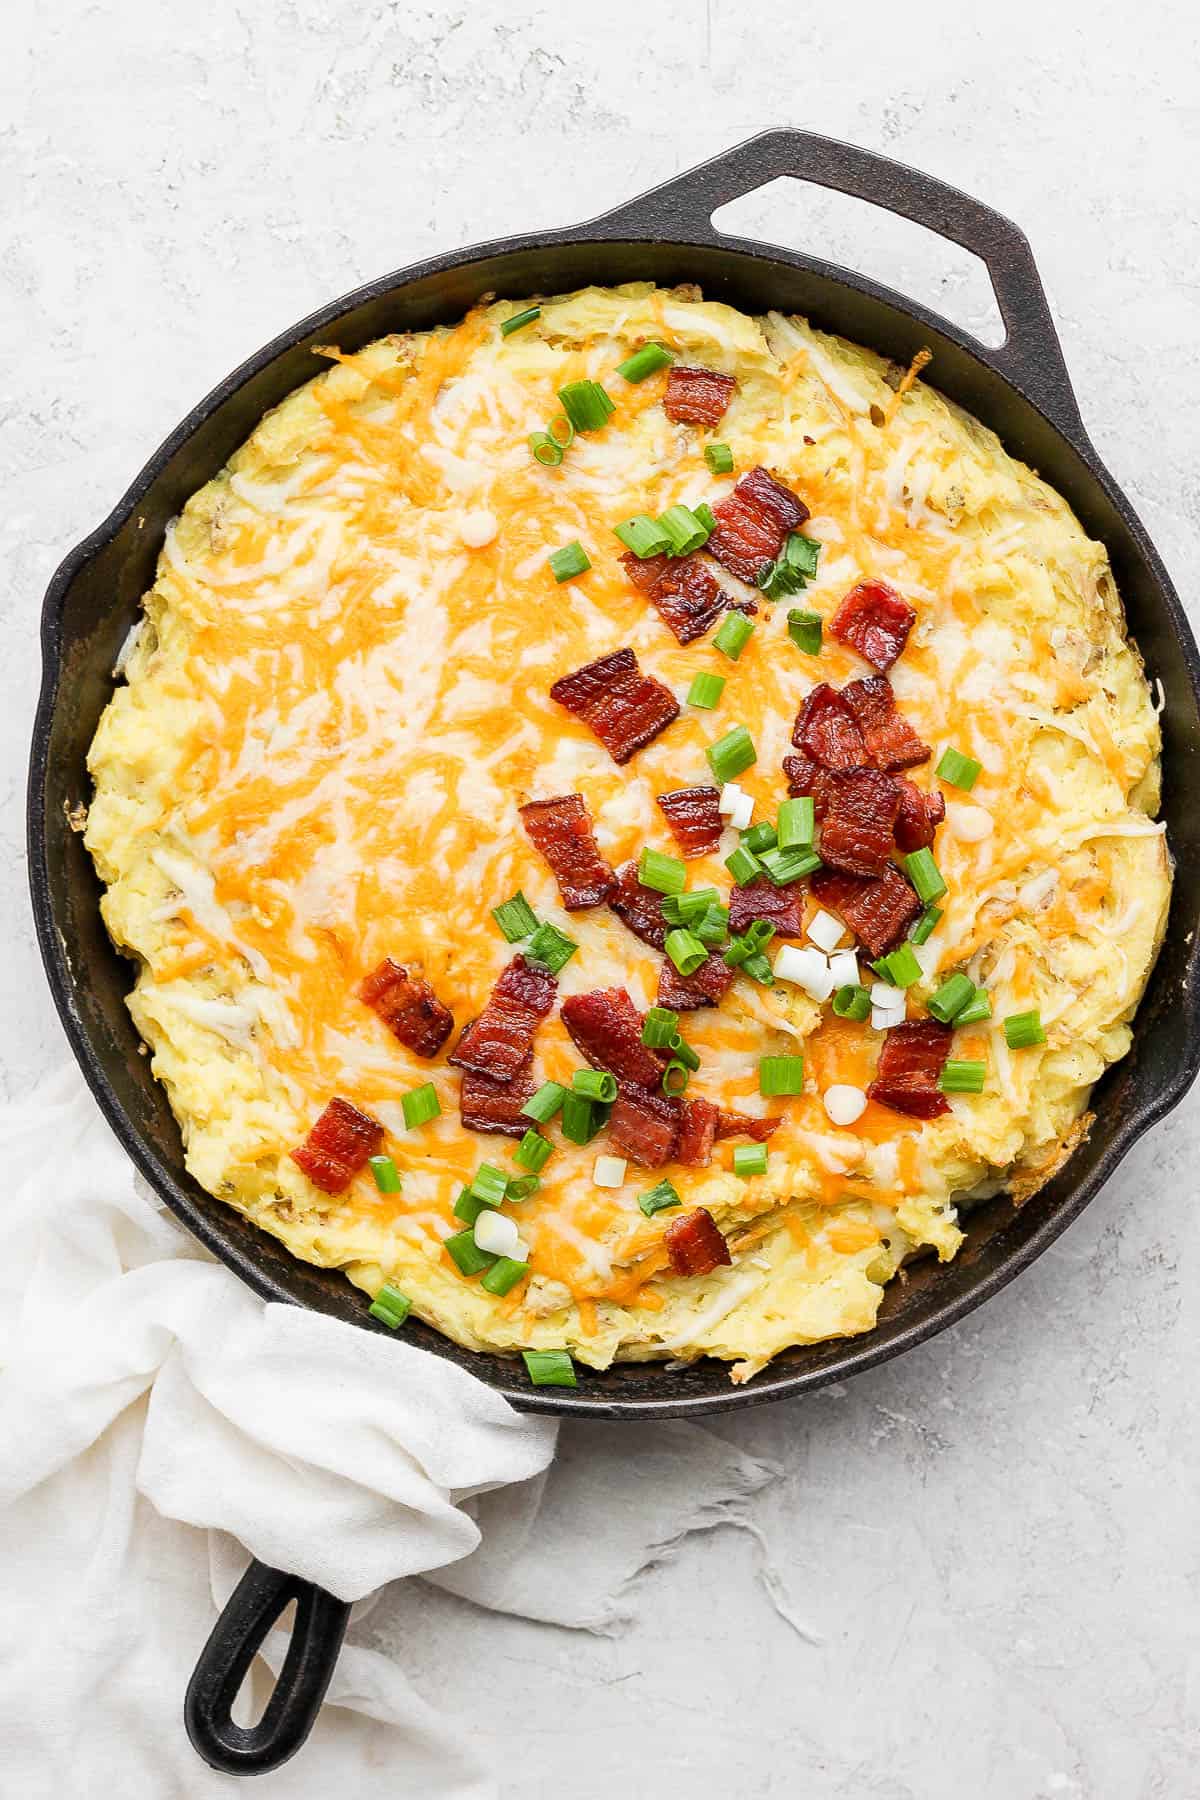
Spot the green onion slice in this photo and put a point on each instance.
(570, 561)
(504, 1275)
(734, 634)
(951, 997)
(750, 1159)
(852, 1002)
(978, 1008)
(901, 967)
(595, 1084)
(390, 1306)
(731, 754)
(706, 516)
(684, 1053)
(420, 1105)
(784, 866)
(543, 1105)
(490, 1185)
(521, 1186)
(551, 947)
(706, 690)
(743, 865)
(645, 362)
(586, 405)
(684, 909)
(545, 450)
(797, 823)
(925, 926)
(760, 837)
(387, 1175)
(550, 1368)
(665, 874)
(581, 1118)
(1023, 1030)
(468, 1206)
(644, 536)
(685, 950)
(471, 1260)
(759, 969)
(686, 531)
(719, 458)
(713, 926)
(804, 629)
(560, 431)
(515, 321)
(659, 1027)
(516, 918)
(925, 875)
(658, 1199)
(675, 1078)
(781, 1075)
(533, 1151)
(962, 1077)
(958, 770)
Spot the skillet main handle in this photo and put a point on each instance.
(252, 1609)
(1031, 356)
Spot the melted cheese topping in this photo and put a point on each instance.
(340, 698)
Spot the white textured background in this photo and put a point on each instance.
(990, 1546)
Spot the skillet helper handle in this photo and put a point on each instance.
(251, 1611)
(1031, 356)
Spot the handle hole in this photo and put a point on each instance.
(862, 236)
(258, 1684)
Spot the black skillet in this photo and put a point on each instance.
(1021, 389)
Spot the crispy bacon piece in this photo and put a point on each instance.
(890, 739)
(624, 708)
(697, 1133)
(909, 1065)
(646, 571)
(338, 1145)
(857, 833)
(561, 830)
(827, 731)
(752, 524)
(694, 1244)
(735, 1124)
(763, 900)
(684, 993)
(683, 590)
(697, 396)
(638, 907)
(606, 1027)
(408, 1007)
(694, 819)
(500, 1042)
(644, 1125)
(489, 1105)
(875, 621)
(876, 909)
(804, 776)
(919, 816)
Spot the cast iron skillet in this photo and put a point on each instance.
(1021, 389)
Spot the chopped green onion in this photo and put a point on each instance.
(706, 516)
(533, 1151)
(955, 992)
(504, 1275)
(686, 531)
(852, 1002)
(925, 875)
(543, 1105)
(390, 1306)
(738, 949)
(658, 1199)
(713, 927)
(743, 865)
(420, 1105)
(586, 405)
(545, 450)
(958, 770)
(978, 1008)
(665, 874)
(706, 690)
(521, 1186)
(719, 458)
(468, 1206)
(962, 1077)
(759, 969)
(683, 909)
(759, 933)
(684, 1053)
(797, 823)
(515, 322)
(490, 1185)
(581, 1120)
(735, 633)
(387, 1175)
(571, 560)
(803, 553)
(471, 1260)
(645, 362)
(793, 569)
(760, 837)
(595, 1084)
(731, 754)
(781, 1075)
(516, 918)
(804, 629)
(685, 951)
(675, 1078)
(901, 968)
(659, 1028)
(550, 1368)
(551, 947)
(644, 536)
(925, 926)
(750, 1159)
(1023, 1030)
(784, 866)
(560, 431)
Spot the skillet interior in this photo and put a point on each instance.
(95, 597)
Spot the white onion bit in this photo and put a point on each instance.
(609, 1171)
(825, 931)
(496, 1233)
(736, 806)
(806, 968)
(845, 1104)
(843, 966)
(478, 528)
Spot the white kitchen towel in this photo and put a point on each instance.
(157, 1421)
